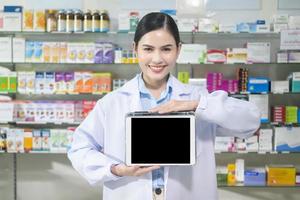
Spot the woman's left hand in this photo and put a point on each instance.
(175, 106)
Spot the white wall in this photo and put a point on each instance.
(52, 177)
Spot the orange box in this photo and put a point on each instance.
(101, 83)
(281, 175)
(231, 174)
(28, 20)
(39, 21)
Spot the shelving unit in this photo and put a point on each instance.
(273, 70)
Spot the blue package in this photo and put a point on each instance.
(254, 178)
(260, 21)
(242, 28)
(252, 27)
(258, 85)
(17, 9)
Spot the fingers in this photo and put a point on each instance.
(171, 106)
(123, 170)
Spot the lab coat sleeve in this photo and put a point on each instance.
(232, 117)
(86, 154)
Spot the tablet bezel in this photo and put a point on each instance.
(189, 115)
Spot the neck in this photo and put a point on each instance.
(156, 87)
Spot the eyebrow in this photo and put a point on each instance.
(167, 45)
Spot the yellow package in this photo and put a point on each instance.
(281, 176)
(39, 21)
(28, 20)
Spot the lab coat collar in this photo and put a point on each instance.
(179, 89)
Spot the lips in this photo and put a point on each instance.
(156, 68)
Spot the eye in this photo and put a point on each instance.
(166, 49)
(148, 49)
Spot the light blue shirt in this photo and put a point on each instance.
(148, 102)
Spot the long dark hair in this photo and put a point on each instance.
(154, 21)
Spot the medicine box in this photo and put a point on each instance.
(287, 139)
(258, 52)
(258, 85)
(281, 175)
(192, 53)
(255, 177)
(280, 87)
(295, 81)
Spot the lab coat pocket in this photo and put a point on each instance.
(128, 188)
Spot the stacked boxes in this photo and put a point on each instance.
(242, 77)
(278, 114)
(295, 81)
(214, 81)
(265, 140)
(291, 114)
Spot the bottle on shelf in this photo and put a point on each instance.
(87, 21)
(78, 19)
(61, 21)
(51, 20)
(96, 21)
(104, 21)
(70, 21)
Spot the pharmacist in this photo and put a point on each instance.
(98, 148)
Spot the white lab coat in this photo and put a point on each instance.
(99, 142)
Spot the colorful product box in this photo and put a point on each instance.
(50, 83)
(69, 82)
(281, 175)
(60, 87)
(287, 139)
(36, 140)
(216, 56)
(294, 79)
(40, 82)
(291, 114)
(11, 145)
(236, 55)
(29, 51)
(39, 21)
(89, 52)
(108, 53)
(38, 54)
(258, 85)
(255, 177)
(258, 52)
(45, 139)
(27, 20)
(192, 53)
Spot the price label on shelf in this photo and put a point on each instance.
(290, 40)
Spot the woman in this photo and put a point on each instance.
(98, 148)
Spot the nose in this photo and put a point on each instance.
(157, 58)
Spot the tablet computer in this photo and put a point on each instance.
(160, 139)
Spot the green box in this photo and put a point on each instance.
(3, 83)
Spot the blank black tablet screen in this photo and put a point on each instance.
(160, 140)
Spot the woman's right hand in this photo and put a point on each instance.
(123, 170)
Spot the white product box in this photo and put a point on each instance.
(294, 22)
(30, 82)
(207, 25)
(11, 21)
(55, 140)
(72, 52)
(19, 50)
(40, 113)
(239, 170)
(199, 82)
(69, 112)
(282, 57)
(11, 141)
(49, 83)
(63, 52)
(60, 112)
(30, 111)
(287, 139)
(19, 140)
(236, 55)
(81, 53)
(192, 53)
(22, 82)
(252, 147)
(6, 111)
(50, 110)
(187, 25)
(263, 28)
(89, 52)
(227, 28)
(259, 52)
(265, 140)
(262, 102)
(5, 49)
(252, 139)
(281, 19)
(294, 57)
(123, 21)
(40, 82)
(280, 87)
(279, 27)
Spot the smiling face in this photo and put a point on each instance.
(157, 53)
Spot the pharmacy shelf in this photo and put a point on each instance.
(260, 153)
(63, 97)
(237, 35)
(259, 186)
(34, 152)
